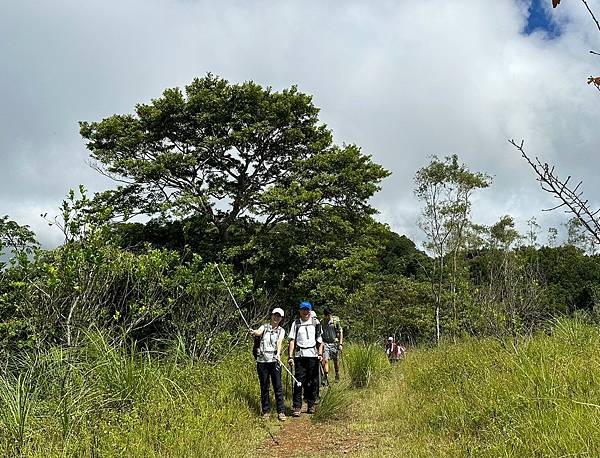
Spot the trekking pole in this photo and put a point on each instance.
(231, 294)
(289, 372)
(321, 373)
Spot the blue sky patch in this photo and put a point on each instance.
(540, 19)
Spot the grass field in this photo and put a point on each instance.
(101, 401)
(537, 397)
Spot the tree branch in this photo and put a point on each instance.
(568, 197)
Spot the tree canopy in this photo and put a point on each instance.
(229, 152)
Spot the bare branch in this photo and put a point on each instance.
(592, 14)
(569, 198)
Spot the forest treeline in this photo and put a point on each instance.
(249, 179)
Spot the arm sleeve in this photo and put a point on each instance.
(292, 333)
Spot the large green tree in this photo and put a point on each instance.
(229, 153)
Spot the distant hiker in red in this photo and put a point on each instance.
(268, 362)
(305, 353)
(393, 350)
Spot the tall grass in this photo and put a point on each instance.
(364, 364)
(116, 400)
(540, 397)
(334, 403)
(16, 399)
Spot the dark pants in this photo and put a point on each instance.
(307, 373)
(270, 371)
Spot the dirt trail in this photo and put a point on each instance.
(300, 437)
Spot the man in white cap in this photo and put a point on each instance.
(268, 364)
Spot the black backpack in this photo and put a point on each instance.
(256, 346)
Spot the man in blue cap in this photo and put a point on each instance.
(305, 354)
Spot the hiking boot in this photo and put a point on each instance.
(296, 412)
(266, 415)
(325, 381)
(281, 416)
(337, 378)
(311, 409)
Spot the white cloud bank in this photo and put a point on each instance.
(402, 79)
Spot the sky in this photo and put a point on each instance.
(402, 79)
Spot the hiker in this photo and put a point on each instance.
(305, 353)
(268, 362)
(333, 339)
(393, 350)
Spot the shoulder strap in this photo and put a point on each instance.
(297, 323)
(266, 328)
(318, 327)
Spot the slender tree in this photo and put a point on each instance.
(445, 188)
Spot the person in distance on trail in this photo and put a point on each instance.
(333, 338)
(305, 353)
(393, 350)
(268, 362)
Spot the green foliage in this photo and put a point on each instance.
(105, 399)
(400, 256)
(334, 403)
(19, 240)
(445, 188)
(263, 152)
(392, 305)
(247, 174)
(145, 295)
(16, 400)
(364, 364)
(572, 279)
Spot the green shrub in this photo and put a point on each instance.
(364, 364)
(334, 403)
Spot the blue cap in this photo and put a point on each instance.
(306, 305)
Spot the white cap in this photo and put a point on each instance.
(313, 314)
(278, 310)
(390, 338)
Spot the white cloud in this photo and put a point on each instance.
(402, 79)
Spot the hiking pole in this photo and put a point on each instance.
(298, 383)
(321, 373)
(231, 294)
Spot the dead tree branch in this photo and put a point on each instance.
(571, 198)
(592, 14)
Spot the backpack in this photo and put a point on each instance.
(318, 331)
(256, 345)
(337, 324)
